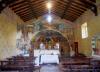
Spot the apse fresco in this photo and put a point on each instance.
(39, 32)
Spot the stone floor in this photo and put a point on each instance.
(49, 68)
(44, 68)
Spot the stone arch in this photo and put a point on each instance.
(64, 45)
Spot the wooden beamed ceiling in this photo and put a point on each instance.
(66, 9)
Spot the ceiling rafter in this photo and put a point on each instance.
(25, 13)
(31, 8)
(39, 3)
(76, 9)
(20, 6)
(73, 10)
(26, 16)
(69, 11)
(26, 9)
(69, 17)
(91, 6)
(21, 9)
(26, 19)
(60, 9)
(66, 8)
(16, 4)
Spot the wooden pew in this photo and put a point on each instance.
(18, 66)
(18, 63)
(75, 64)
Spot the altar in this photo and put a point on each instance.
(46, 56)
(46, 52)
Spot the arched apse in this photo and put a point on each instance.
(49, 38)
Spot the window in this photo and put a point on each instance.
(84, 30)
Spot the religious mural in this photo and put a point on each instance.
(40, 32)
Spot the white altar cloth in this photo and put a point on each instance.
(49, 59)
(38, 52)
(46, 56)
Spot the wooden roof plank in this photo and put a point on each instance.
(23, 8)
(26, 9)
(67, 6)
(20, 6)
(18, 3)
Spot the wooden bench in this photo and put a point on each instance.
(75, 65)
(18, 66)
(18, 63)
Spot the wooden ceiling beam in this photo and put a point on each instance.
(69, 18)
(27, 16)
(28, 10)
(18, 3)
(22, 6)
(66, 8)
(60, 13)
(62, 2)
(76, 9)
(38, 4)
(91, 1)
(18, 6)
(56, 13)
(26, 19)
(87, 2)
(24, 14)
(69, 11)
(31, 8)
(82, 3)
(74, 4)
(39, 8)
(37, 1)
(60, 6)
(91, 6)
(78, 6)
(42, 12)
(42, 6)
(78, 12)
(78, 3)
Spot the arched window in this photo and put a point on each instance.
(84, 30)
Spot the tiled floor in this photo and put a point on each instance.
(49, 68)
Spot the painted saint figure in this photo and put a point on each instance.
(42, 46)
